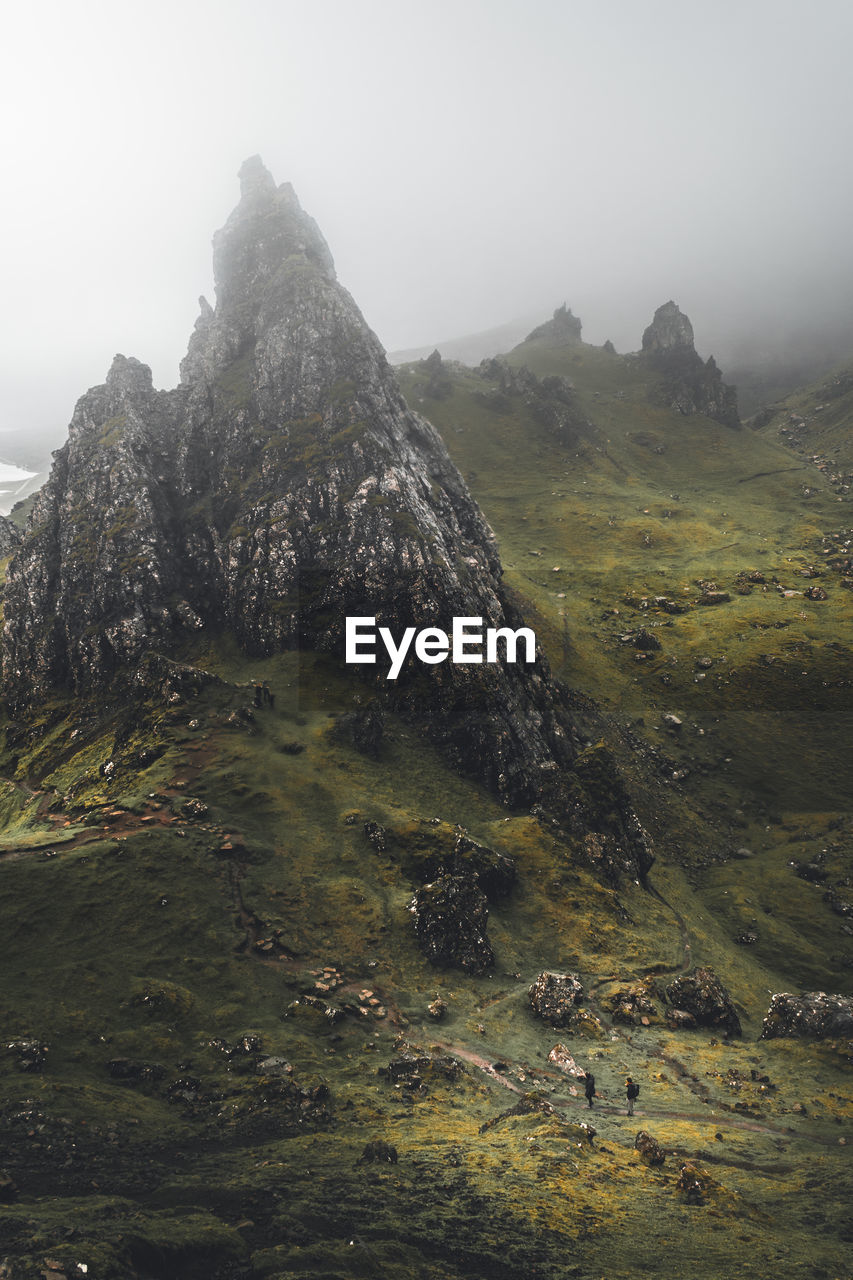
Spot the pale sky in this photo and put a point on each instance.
(468, 162)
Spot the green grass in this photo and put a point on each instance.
(137, 936)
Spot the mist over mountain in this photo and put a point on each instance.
(524, 951)
(706, 162)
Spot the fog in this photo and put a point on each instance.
(468, 163)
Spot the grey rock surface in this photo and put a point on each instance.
(690, 384)
(814, 1014)
(283, 485)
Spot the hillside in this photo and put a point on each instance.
(275, 971)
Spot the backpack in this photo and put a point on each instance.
(633, 1091)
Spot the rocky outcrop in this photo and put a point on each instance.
(450, 924)
(814, 1014)
(284, 485)
(706, 1002)
(563, 329)
(10, 537)
(494, 872)
(550, 401)
(690, 384)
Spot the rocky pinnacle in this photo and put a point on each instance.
(283, 485)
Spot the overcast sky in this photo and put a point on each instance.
(468, 162)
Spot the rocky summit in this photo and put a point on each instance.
(284, 485)
(691, 384)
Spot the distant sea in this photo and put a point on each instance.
(14, 484)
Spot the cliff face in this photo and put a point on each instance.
(281, 487)
(692, 385)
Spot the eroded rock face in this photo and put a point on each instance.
(704, 999)
(813, 1014)
(10, 536)
(692, 385)
(284, 485)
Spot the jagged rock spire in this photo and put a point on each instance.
(283, 486)
(691, 384)
(670, 329)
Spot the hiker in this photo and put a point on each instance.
(632, 1091)
(267, 696)
(589, 1087)
(258, 695)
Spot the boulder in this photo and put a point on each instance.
(692, 1182)
(450, 923)
(555, 997)
(560, 1057)
(634, 1005)
(703, 997)
(814, 1014)
(651, 1153)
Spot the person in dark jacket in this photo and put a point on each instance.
(631, 1092)
(589, 1087)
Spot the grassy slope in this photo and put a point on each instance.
(136, 935)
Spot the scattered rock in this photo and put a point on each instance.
(378, 1152)
(437, 1009)
(131, 1069)
(376, 835)
(415, 1070)
(274, 1066)
(635, 1004)
(29, 1055)
(645, 640)
(194, 809)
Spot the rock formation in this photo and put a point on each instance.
(555, 997)
(563, 329)
(10, 537)
(691, 384)
(283, 485)
(814, 1014)
(706, 1002)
